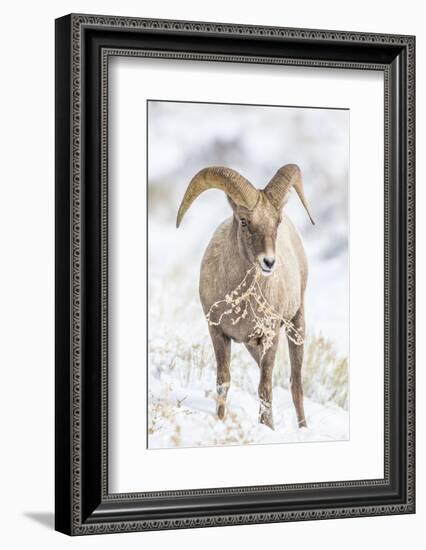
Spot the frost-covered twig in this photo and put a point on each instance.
(249, 296)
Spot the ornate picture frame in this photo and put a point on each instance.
(84, 45)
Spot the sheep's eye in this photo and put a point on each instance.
(243, 222)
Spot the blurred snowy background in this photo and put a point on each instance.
(256, 141)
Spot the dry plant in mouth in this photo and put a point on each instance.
(248, 298)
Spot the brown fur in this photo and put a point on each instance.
(233, 250)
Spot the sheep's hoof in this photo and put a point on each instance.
(265, 413)
(221, 411)
(222, 392)
(302, 423)
(267, 419)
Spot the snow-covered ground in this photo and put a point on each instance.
(182, 375)
(186, 417)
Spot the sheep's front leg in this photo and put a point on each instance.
(222, 350)
(265, 397)
(296, 360)
(266, 364)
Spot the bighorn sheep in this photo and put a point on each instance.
(253, 278)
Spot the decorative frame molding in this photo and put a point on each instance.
(84, 43)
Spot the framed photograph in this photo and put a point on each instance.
(234, 274)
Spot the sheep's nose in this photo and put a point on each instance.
(269, 262)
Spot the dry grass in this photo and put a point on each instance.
(325, 373)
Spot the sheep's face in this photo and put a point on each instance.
(257, 233)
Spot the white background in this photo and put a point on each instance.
(26, 304)
(133, 80)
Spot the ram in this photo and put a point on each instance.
(253, 278)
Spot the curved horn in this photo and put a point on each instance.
(240, 190)
(288, 176)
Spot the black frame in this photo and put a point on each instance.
(83, 46)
